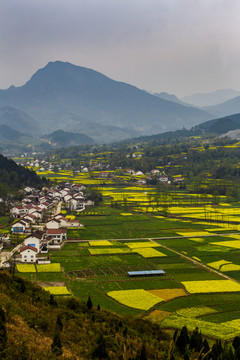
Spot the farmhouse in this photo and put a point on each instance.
(57, 234)
(19, 227)
(53, 224)
(33, 241)
(28, 253)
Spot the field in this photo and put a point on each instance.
(194, 249)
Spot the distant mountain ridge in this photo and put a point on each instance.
(18, 120)
(171, 97)
(229, 107)
(226, 126)
(211, 99)
(69, 97)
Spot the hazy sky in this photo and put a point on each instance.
(177, 46)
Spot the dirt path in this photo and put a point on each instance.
(196, 262)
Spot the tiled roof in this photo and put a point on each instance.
(28, 247)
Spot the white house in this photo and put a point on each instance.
(76, 205)
(34, 241)
(57, 234)
(28, 189)
(53, 224)
(19, 227)
(30, 217)
(67, 198)
(28, 253)
(18, 211)
(37, 214)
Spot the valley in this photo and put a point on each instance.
(165, 217)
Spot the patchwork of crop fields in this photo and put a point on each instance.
(199, 254)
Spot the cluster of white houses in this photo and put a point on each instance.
(51, 238)
(36, 203)
(32, 218)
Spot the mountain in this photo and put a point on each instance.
(64, 138)
(212, 98)
(9, 134)
(170, 97)
(226, 108)
(221, 125)
(13, 141)
(226, 126)
(69, 97)
(18, 120)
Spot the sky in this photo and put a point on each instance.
(177, 46)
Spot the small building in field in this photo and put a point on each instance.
(146, 273)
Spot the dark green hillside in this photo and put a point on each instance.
(13, 176)
(222, 125)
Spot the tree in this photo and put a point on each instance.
(100, 351)
(59, 324)
(142, 354)
(3, 332)
(89, 303)
(196, 340)
(57, 344)
(94, 195)
(236, 342)
(183, 339)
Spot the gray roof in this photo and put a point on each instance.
(146, 272)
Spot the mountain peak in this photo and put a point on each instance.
(74, 98)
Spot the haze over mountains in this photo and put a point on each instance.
(62, 96)
(73, 98)
(211, 99)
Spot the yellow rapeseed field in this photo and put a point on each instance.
(57, 290)
(100, 243)
(54, 267)
(230, 267)
(232, 244)
(217, 264)
(144, 244)
(211, 286)
(137, 298)
(26, 268)
(149, 252)
(168, 294)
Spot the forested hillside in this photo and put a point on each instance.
(35, 325)
(13, 176)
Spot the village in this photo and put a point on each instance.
(39, 223)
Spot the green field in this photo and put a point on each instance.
(99, 269)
